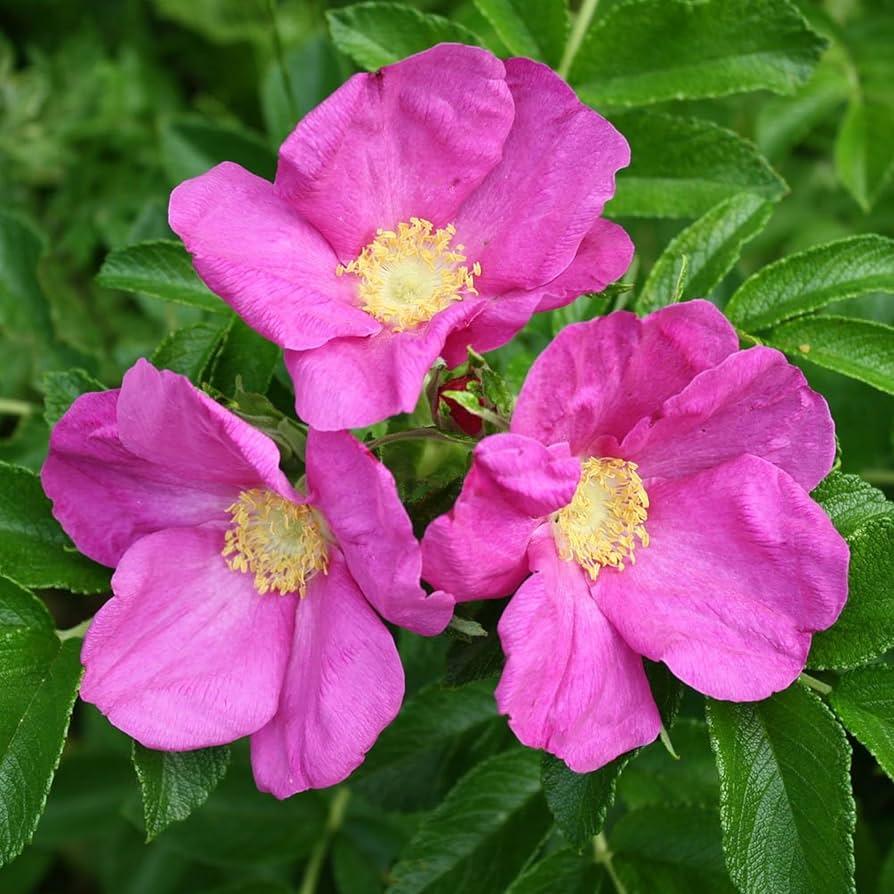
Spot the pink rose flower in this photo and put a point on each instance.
(434, 204)
(241, 606)
(651, 499)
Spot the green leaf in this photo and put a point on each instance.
(534, 28)
(811, 279)
(34, 550)
(190, 350)
(864, 700)
(39, 678)
(480, 836)
(856, 348)
(683, 167)
(562, 872)
(649, 51)
(851, 502)
(61, 388)
(674, 850)
(865, 629)
(24, 311)
(247, 355)
(785, 795)
(377, 34)
(176, 783)
(192, 145)
(161, 268)
(711, 245)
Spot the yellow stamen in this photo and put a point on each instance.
(282, 543)
(605, 518)
(408, 276)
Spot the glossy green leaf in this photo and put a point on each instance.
(534, 28)
(811, 279)
(34, 550)
(161, 268)
(711, 246)
(39, 678)
(785, 797)
(860, 349)
(865, 628)
(864, 700)
(480, 836)
(176, 783)
(683, 167)
(647, 51)
(190, 350)
(246, 355)
(377, 34)
(562, 872)
(61, 388)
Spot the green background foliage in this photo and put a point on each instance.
(762, 137)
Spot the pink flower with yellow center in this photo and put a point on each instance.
(651, 499)
(434, 204)
(242, 606)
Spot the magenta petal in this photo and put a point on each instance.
(186, 654)
(601, 377)
(343, 686)
(358, 497)
(410, 140)
(753, 402)
(742, 567)
(274, 269)
(571, 685)
(478, 549)
(526, 221)
(352, 382)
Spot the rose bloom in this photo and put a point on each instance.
(651, 499)
(241, 605)
(434, 204)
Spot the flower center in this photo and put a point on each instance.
(408, 276)
(605, 518)
(282, 543)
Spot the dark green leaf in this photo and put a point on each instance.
(683, 167)
(649, 51)
(161, 268)
(24, 311)
(562, 872)
(246, 355)
(189, 351)
(39, 678)
(377, 34)
(811, 279)
(851, 502)
(785, 795)
(61, 388)
(191, 146)
(34, 550)
(480, 836)
(534, 28)
(176, 783)
(859, 349)
(711, 247)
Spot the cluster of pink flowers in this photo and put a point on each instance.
(651, 498)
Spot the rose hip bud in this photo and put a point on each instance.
(465, 421)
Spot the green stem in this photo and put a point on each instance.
(74, 632)
(281, 61)
(11, 407)
(416, 434)
(578, 30)
(816, 685)
(337, 808)
(602, 854)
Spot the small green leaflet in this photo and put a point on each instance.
(190, 350)
(534, 28)
(62, 388)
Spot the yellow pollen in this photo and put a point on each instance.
(282, 543)
(605, 518)
(408, 276)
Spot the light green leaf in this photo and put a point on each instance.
(711, 246)
(377, 34)
(562, 872)
(647, 51)
(161, 268)
(851, 502)
(855, 348)
(480, 836)
(34, 550)
(811, 279)
(247, 355)
(39, 678)
(534, 28)
(61, 388)
(190, 350)
(785, 794)
(683, 167)
(176, 783)
(864, 700)
(865, 629)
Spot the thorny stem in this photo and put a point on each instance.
(416, 434)
(603, 855)
(816, 685)
(578, 30)
(337, 809)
